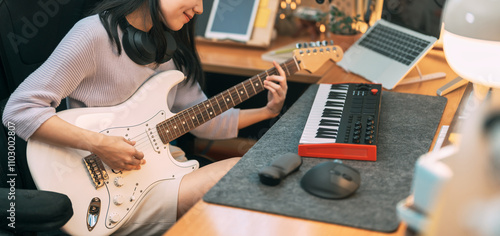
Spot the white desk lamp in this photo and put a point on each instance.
(471, 41)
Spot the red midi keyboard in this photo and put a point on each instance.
(343, 122)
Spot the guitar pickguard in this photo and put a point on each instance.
(124, 187)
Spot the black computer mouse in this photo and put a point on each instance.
(331, 180)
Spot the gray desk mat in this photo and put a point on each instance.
(407, 126)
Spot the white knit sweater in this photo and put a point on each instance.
(86, 69)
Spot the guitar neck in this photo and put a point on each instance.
(190, 118)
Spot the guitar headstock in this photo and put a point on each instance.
(314, 55)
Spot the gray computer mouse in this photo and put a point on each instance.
(332, 180)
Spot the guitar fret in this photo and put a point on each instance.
(251, 83)
(235, 90)
(256, 83)
(286, 68)
(204, 112)
(228, 99)
(185, 124)
(169, 136)
(215, 99)
(219, 100)
(244, 88)
(241, 92)
(263, 77)
(199, 114)
(175, 127)
(250, 89)
(192, 117)
(296, 64)
(210, 109)
(180, 125)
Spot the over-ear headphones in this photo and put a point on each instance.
(140, 47)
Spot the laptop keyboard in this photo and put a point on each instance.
(394, 44)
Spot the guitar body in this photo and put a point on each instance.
(103, 210)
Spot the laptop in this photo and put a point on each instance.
(390, 48)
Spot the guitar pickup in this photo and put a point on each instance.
(96, 170)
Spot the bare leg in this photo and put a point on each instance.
(195, 184)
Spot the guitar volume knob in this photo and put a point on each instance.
(118, 181)
(118, 200)
(114, 218)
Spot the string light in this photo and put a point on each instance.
(283, 5)
(287, 7)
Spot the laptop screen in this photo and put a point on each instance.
(423, 16)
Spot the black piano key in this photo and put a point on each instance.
(334, 104)
(326, 136)
(329, 122)
(331, 113)
(339, 86)
(334, 93)
(326, 131)
(331, 116)
(337, 96)
(332, 110)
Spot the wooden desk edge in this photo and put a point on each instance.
(205, 219)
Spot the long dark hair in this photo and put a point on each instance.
(185, 58)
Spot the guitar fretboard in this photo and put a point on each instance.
(190, 118)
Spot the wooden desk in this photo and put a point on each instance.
(216, 220)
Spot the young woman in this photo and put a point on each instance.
(92, 67)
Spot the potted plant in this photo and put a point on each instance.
(340, 23)
(342, 28)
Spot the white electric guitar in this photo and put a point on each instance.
(104, 199)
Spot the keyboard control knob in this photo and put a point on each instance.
(368, 140)
(374, 91)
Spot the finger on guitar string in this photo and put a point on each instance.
(279, 80)
(279, 68)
